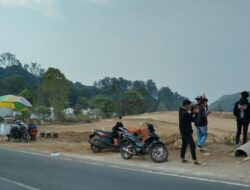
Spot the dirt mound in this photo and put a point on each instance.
(74, 137)
(170, 140)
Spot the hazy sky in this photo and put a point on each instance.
(193, 46)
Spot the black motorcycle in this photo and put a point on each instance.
(132, 145)
(106, 140)
(19, 132)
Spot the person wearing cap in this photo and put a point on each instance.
(242, 114)
(201, 123)
(185, 125)
(197, 104)
(198, 100)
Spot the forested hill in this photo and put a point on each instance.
(110, 95)
(225, 103)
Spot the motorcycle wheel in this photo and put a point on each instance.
(94, 147)
(25, 138)
(158, 153)
(125, 155)
(10, 139)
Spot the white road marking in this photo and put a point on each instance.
(30, 153)
(67, 159)
(171, 175)
(95, 164)
(117, 167)
(138, 170)
(18, 184)
(182, 176)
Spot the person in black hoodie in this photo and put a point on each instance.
(186, 131)
(242, 114)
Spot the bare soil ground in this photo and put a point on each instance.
(73, 138)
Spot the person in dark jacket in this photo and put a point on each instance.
(242, 114)
(186, 131)
(201, 123)
(198, 100)
(197, 104)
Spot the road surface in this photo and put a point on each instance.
(22, 171)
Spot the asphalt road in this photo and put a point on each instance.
(21, 171)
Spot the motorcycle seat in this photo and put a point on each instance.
(137, 138)
(105, 132)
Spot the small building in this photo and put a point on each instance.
(86, 111)
(95, 114)
(69, 112)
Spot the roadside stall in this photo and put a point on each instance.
(15, 103)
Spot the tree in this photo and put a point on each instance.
(161, 107)
(54, 90)
(8, 59)
(56, 87)
(131, 103)
(113, 85)
(82, 101)
(139, 85)
(28, 95)
(107, 107)
(42, 111)
(35, 69)
(14, 84)
(151, 88)
(3, 88)
(168, 99)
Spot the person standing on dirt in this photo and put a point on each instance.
(242, 114)
(198, 100)
(197, 104)
(201, 123)
(186, 131)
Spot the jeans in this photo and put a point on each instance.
(239, 130)
(202, 134)
(187, 139)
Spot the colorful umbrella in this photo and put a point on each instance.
(17, 103)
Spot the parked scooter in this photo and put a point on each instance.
(18, 131)
(106, 140)
(132, 145)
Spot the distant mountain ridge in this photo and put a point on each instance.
(225, 103)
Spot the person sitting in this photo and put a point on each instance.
(32, 130)
(116, 131)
